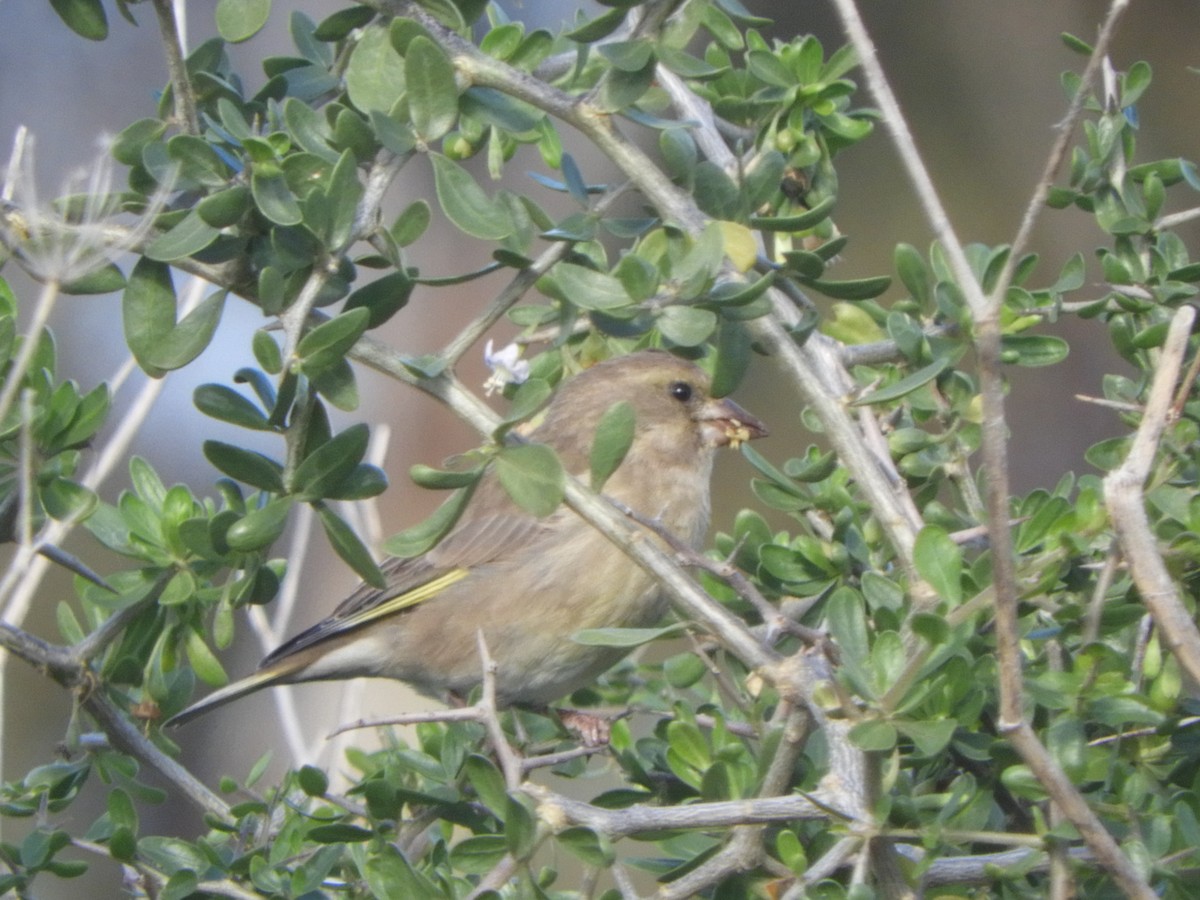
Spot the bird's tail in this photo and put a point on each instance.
(248, 685)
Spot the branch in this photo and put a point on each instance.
(644, 818)
(910, 156)
(61, 664)
(1037, 201)
(1123, 493)
(181, 84)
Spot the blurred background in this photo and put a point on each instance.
(979, 82)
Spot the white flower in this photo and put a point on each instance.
(507, 367)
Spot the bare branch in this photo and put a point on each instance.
(1126, 505)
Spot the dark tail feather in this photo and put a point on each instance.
(260, 679)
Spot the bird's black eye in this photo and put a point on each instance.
(681, 391)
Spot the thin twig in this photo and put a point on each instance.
(776, 622)
(520, 284)
(181, 83)
(509, 759)
(910, 156)
(1176, 219)
(1058, 152)
(1124, 498)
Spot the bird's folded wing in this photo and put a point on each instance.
(480, 541)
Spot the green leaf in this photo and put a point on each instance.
(686, 326)
(466, 204)
(246, 466)
(395, 136)
(1072, 276)
(1033, 350)
(85, 17)
(363, 482)
(600, 27)
(388, 874)
(624, 87)
(905, 385)
(224, 208)
(148, 311)
(845, 617)
(532, 476)
(329, 342)
(266, 352)
(1108, 454)
(589, 289)
(874, 735)
(313, 781)
(679, 152)
(108, 279)
(629, 56)
(614, 437)
(339, 833)
(228, 405)
(684, 669)
(432, 94)
(331, 463)
(309, 129)
(767, 67)
(336, 384)
(1078, 45)
(349, 547)
(240, 20)
(197, 161)
(416, 540)
(375, 75)
(939, 561)
(382, 298)
(340, 24)
(528, 399)
(121, 810)
(66, 500)
(479, 854)
(800, 222)
(856, 289)
(343, 194)
(487, 781)
(272, 195)
(190, 337)
(260, 528)
(441, 480)
(520, 826)
(188, 237)
(734, 351)
(594, 849)
(203, 661)
(716, 193)
(411, 224)
(913, 272)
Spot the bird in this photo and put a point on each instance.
(528, 584)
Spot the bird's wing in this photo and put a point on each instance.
(479, 541)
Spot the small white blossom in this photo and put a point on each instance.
(507, 367)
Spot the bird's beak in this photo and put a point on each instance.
(724, 423)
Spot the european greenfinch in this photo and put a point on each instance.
(529, 584)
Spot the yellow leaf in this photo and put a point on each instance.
(852, 325)
(740, 245)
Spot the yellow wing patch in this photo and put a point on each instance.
(409, 598)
